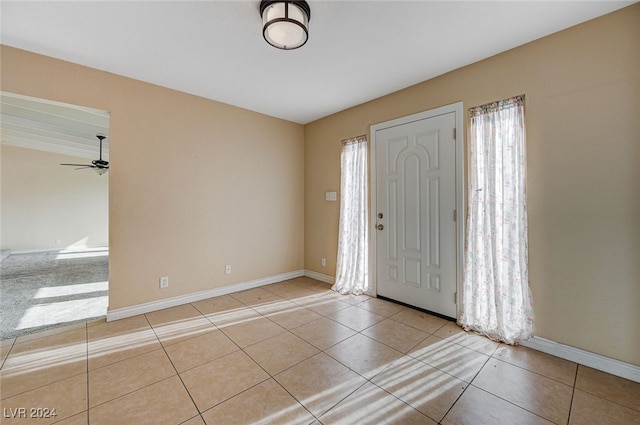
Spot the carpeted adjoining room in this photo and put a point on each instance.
(52, 289)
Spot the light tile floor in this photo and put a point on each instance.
(296, 353)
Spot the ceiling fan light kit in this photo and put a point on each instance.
(285, 24)
(99, 165)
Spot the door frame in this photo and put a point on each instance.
(458, 109)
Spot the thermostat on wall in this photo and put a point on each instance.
(330, 196)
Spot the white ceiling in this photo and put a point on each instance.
(50, 126)
(357, 50)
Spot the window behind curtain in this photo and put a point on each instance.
(352, 270)
(495, 295)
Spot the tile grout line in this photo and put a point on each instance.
(414, 358)
(87, 360)
(511, 403)
(369, 380)
(573, 394)
(293, 397)
(174, 368)
(131, 392)
(599, 396)
(407, 404)
(235, 395)
(468, 384)
(411, 357)
(526, 370)
(535, 373)
(184, 338)
(456, 400)
(13, 343)
(366, 381)
(124, 360)
(40, 386)
(608, 400)
(243, 348)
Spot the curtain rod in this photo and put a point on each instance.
(350, 139)
(497, 105)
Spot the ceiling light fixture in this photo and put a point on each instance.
(285, 23)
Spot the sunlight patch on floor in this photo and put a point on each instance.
(61, 312)
(70, 255)
(76, 289)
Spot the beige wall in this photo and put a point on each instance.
(582, 90)
(43, 203)
(193, 184)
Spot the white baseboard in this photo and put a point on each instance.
(34, 251)
(319, 276)
(61, 249)
(586, 358)
(121, 313)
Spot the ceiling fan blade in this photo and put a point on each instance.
(78, 165)
(83, 167)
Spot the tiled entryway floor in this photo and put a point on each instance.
(297, 353)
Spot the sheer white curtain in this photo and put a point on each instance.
(352, 267)
(495, 298)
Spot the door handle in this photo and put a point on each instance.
(380, 227)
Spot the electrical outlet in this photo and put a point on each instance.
(227, 269)
(324, 262)
(164, 282)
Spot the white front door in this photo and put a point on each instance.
(415, 203)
